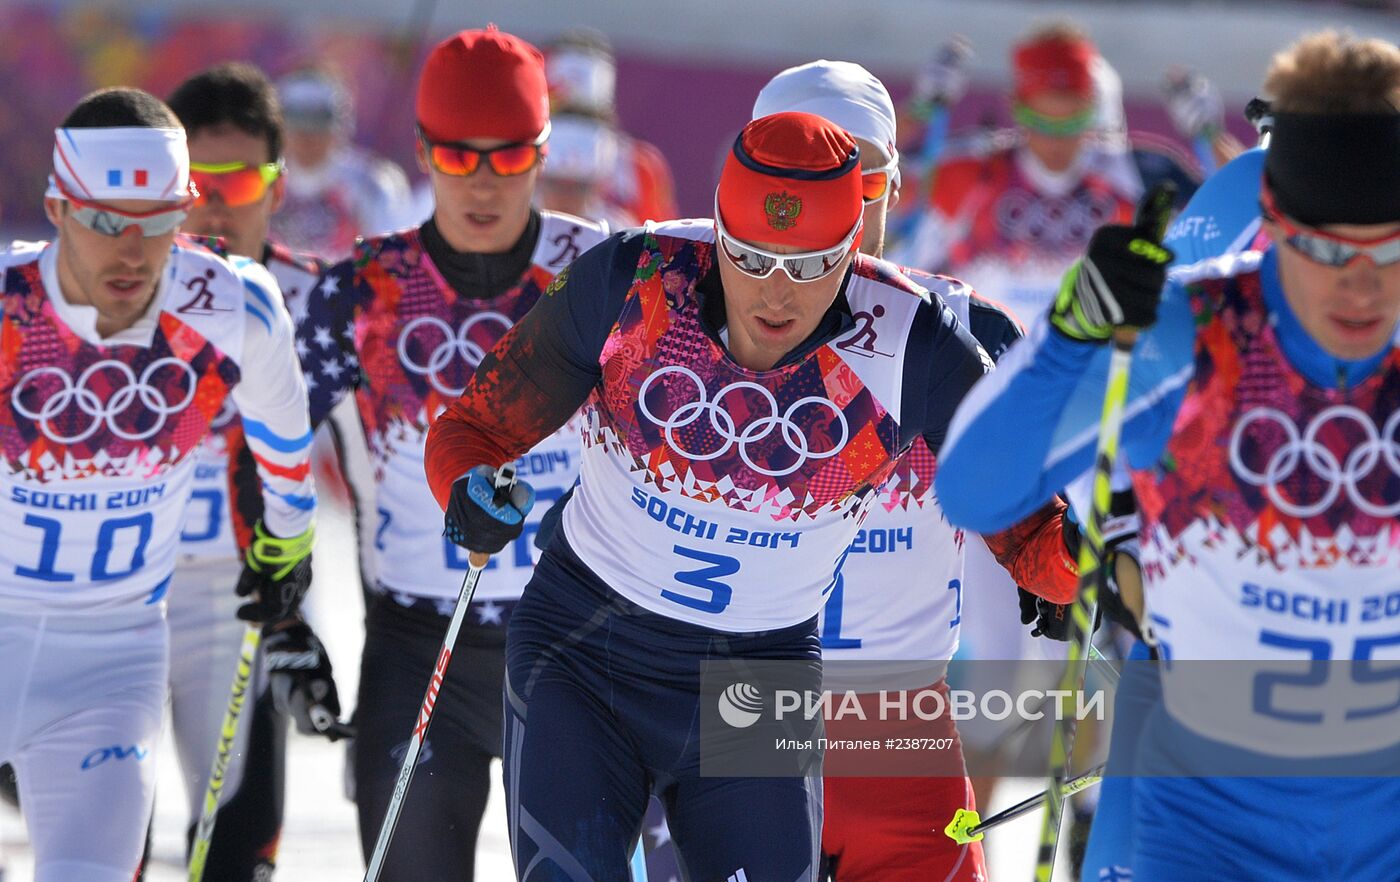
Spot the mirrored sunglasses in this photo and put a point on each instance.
(805, 266)
(235, 183)
(1054, 126)
(109, 221)
(462, 160)
(1326, 248)
(876, 183)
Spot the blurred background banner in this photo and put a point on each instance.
(687, 73)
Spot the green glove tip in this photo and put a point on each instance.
(1154, 212)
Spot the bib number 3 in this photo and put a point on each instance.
(707, 579)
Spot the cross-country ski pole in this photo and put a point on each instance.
(1152, 218)
(228, 733)
(968, 826)
(1105, 667)
(505, 479)
(1091, 560)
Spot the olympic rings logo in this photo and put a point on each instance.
(123, 397)
(1362, 461)
(454, 345)
(1052, 222)
(723, 422)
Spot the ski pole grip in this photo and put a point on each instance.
(505, 483)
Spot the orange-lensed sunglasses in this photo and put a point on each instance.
(875, 183)
(462, 160)
(235, 183)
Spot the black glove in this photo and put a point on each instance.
(299, 675)
(1051, 619)
(276, 574)
(487, 509)
(1119, 281)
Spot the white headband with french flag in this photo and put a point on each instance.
(135, 162)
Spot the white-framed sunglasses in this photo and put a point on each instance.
(108, 221)
(804, 266)
(877, 183)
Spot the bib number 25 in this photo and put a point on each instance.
(1365, 669)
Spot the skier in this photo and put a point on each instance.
(402, 325)
(884, 827)
(582, 160)
(1012, 216)
(124, 344)
(732, 446)
(234, 127)
(1221, 218)
(335, 191)
(1243, 360)
(582, 76)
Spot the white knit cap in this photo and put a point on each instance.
(580, 149)
(841, 91)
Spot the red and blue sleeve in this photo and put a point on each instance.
(540, 373)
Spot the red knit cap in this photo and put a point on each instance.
(483, 84)
(1055, 64)
(791, 179)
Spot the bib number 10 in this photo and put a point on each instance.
(120, 549)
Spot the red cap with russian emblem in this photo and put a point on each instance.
(792, 179)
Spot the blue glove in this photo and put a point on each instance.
(487, 509)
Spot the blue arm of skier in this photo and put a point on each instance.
(1031, 426)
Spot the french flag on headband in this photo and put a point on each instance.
(137, 178)
(102, 164)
